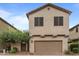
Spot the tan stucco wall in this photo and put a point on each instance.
(17, 45)
(64, 44)
(49, 27)
(5, 27)
(73, 34)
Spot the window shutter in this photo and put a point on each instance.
(77, 29)
(36, 21)
(55, 21)
(60, 21)
(41, 21)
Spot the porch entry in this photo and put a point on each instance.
(23, 46)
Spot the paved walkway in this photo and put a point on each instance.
(14, 54)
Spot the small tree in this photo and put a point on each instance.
(21, 37)
(6, 38)
(13, 37)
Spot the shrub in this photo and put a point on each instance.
(75, 50)
(73, 46)
(14, 50)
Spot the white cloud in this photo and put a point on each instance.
(21, 22)
(4, 13)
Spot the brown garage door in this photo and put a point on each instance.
(48, 47)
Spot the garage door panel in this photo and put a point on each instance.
(48, 47)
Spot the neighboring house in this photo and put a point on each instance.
(49, 30)
(74, 33)
(5, 26)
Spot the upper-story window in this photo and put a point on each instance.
(77, 29)
(38, 21)
(58, 21)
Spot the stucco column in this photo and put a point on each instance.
(65, 45)
(31, 46)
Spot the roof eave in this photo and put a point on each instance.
(8, 24)
(73, 27)
(49, 4)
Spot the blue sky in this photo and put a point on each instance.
(15, 14)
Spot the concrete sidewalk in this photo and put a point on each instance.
(18, 53)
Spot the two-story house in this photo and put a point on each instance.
(74, 33)
(49, 30)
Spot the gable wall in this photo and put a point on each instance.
(73, 34)
(5, 27)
